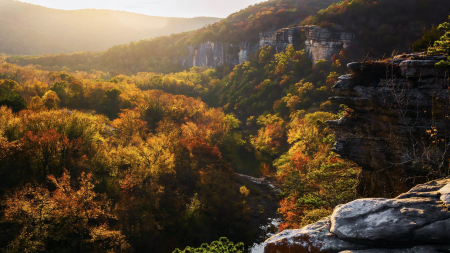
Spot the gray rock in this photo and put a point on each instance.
(428, 190)
(391, 221)
(395, 103)
(430, 186)
(420, 68)
(417, 221)
(312, 238)
(320, 43)
(417, 249)
(445, 194)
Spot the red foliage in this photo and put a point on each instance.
(291, 213)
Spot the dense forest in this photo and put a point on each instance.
(122, 152)
(27, 29)
(161, 54)
(384, 27)
(378, 34)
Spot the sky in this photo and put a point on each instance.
(165, 8)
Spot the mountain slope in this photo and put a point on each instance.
(382, 25)
(161, 54)
(27, 29)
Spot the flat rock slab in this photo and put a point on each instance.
(312, 238)
(420, 68)
(390, 221)
(414, 222)
(445, 194)
(430, 186)
(417, 249)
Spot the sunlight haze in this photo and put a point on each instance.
(165, 8)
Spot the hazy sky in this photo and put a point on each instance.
(167, 8)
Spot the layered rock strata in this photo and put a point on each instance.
(320, 43)
(397, 127)
(212, 54)
(280, 39)
(324, 43)
(417, 221)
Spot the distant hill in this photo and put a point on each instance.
(160, 54)
(381, 27)
(27, 29)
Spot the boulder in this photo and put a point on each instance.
(416, 221)
(417, 249)
(312, 238)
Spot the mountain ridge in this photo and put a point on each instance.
(36, 30)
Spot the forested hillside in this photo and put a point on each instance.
(27, 29)
(125, 150)
(383, 25)
(161, 54)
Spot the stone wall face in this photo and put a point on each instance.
(280, 39)
(398, 128)
(320, 44)
(324, 43)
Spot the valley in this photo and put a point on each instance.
(256, 125)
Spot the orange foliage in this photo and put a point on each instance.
(63, 217)
(291, 213)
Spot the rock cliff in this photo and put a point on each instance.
(280, 39)
(320, 43)
(397, 125)
(417, 221)
(324, 43)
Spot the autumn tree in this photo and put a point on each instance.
(314, 179)
(67, 219)
(51, 100)
(442, 45)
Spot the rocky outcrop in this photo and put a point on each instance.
(280, 39)
(320, 43)
(324, 43)
(209, 54)
(417, 221)
(397, 125)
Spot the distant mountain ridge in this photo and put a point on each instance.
(27, 29)
(380, 27)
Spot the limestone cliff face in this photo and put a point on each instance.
(324, 43)
(280, 39)
(398, 126)
(212, 54)
(320, 44)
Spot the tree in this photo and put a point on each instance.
(60, 89)
(8, 85)
(223, 245)
(64, 220)
(442, 46)
(112, 102)
(51, 99)
(15, 101)
(427, 40)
